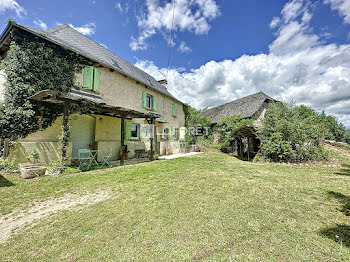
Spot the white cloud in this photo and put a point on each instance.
(192, 16)
(342, 6)
(275, 22)
(298, 66)
(40, 23)
(12, 5)
(87, 29)
(184, 48)
(119, 6)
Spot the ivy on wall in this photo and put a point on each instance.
(32, 65)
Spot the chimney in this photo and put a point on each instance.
(163, 82)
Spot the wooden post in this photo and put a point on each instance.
(6, 147)
(151, 155)
(65, 135)
(122, 138)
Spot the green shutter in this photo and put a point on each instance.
(154, 103)
(127, 130)
(174, 109)
(144, 99)
(171, 133)
(96, 80)
(88, 77)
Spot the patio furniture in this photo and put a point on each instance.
(94, 156)
(106, 159)
(85, 158)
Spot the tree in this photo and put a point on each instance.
(291, 133)
(193, 120)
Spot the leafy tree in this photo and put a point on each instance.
(291, 133)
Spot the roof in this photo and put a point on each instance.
(246, 107)
(93, 102)
(71, 39)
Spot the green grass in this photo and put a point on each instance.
(209, 207)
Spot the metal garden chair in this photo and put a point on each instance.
(106, 159)
(85, 159)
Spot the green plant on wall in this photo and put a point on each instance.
(225, 126)
(32, 65)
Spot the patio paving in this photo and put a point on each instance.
(179, 155)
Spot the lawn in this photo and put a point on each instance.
(209, 207)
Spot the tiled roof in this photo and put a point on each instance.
(70, 38)
(246, 107)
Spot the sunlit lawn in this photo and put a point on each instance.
(208, 207)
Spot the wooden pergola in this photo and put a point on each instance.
(94, 105)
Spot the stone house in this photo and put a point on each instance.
(119, 92)
(253, 107)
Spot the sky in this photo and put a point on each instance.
(220, 50)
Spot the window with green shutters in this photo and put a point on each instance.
(97, 74)
(155, 103)
(127, 130)
(91, 78)
(171, 133)
(88, 77)
(174, 110)
(149, 101)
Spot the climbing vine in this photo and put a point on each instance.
(32, 65)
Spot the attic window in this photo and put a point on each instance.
(115, 63)
(149, 81)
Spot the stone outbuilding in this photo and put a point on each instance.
(246, 143)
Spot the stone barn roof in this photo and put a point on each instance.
(246, 107)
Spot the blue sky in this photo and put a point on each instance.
(221, 50)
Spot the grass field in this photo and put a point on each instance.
(210, 207)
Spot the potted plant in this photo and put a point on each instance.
(31, 170)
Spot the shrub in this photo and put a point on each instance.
(7, 164)
(291, 133)
(193, 120)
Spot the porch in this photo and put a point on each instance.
(96, 125)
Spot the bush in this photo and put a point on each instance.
(7, 164)
(193, 120)
(291, 133)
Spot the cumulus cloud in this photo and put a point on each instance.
(192, 16)
(12, 5)
(342, 7)
(184, 48)
(87, 29)
(40, 23)
(298, 67)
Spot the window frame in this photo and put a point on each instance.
(150, 107)
(137, 131)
